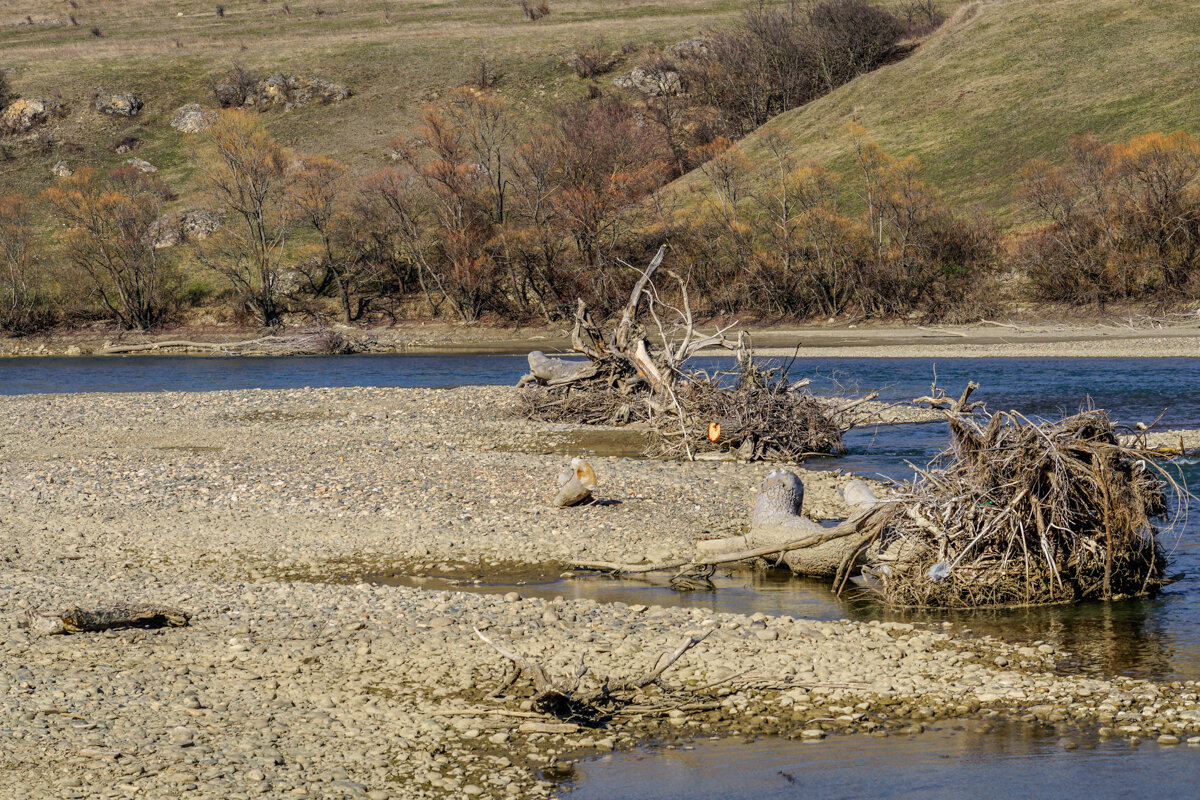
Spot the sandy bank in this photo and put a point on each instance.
(1134, 338)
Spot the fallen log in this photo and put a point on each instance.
(871, 520)
(78, 620)
(178, 344)
(314, 342)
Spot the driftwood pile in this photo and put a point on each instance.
(1020, 513)
(1014, 513)
(748, 413)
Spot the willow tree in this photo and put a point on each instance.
(248, 174)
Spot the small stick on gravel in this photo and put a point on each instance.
(559, 698)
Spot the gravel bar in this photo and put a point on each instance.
(258, 513)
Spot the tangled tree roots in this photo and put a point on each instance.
(757, 414)
(749, 413)
(1024, 513)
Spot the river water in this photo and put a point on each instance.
(1154, 638)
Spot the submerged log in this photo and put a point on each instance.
(78, 620)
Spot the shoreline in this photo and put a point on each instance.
(262, 512)
(1035, 340)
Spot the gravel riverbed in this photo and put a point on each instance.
(259, 512)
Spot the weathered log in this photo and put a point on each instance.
(78, 620)
(572, 493)
(776, 519)
(548, 371)
(857, 526)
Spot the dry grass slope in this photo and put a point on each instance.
(397, 56)
(1005, 81)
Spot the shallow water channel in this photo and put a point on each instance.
(949, 761)
(1155, 638)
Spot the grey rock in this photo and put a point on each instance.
(142, 165)
(653, 81)
(121, 104)
(26, 113)
(192, 118)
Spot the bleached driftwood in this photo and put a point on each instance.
(777, 520)
(575, 484)
(863, 525)
(547, 371)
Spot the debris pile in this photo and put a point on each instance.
(748, 413)
(1021, 513)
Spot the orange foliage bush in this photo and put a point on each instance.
(1120, 221)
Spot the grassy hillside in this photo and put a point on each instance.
(1005, 81)
(397, 56)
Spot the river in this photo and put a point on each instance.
(1154, 638)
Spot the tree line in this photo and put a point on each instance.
(475, 217)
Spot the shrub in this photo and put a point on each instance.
(7, 93)
(247, 173)
(1119, 221)
(851, 37)
(21, 306)
(805, 254)
(110, 222)
(590, 61)
(923, 17)
(535, 11)
(238, 86)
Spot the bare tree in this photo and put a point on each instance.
(110, 237)
(249, 173)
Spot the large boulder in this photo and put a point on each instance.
(171, 230)
(121, 104)
(27, 113)
(652, 81)
(192, 118)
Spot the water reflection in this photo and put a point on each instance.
(967, 759)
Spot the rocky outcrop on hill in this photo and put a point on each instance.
(26, 113)
(654, 81)
(170, 230)
(192, 118)
(120, 104)
(284, 92)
